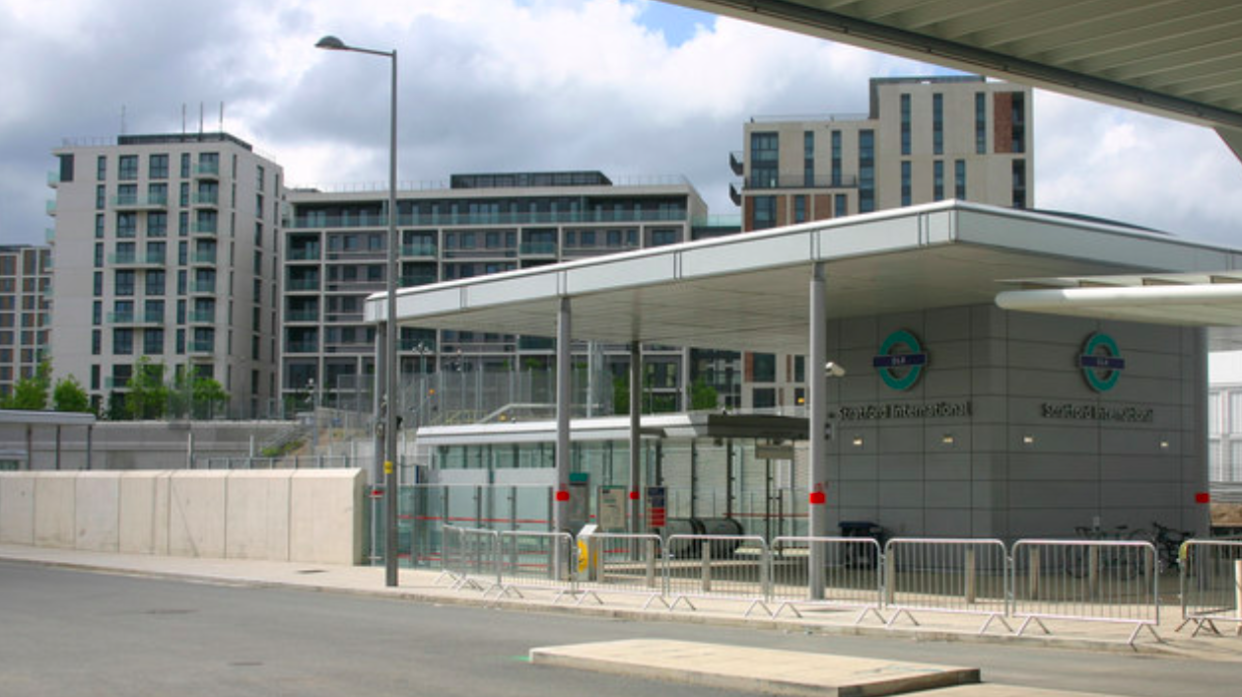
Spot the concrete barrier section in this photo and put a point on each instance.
(283, 515)
(144, 512)
(326, 516)
(96, 510)
(257, 515)
(17, 499)
(55, 517)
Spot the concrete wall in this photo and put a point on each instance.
(284, 515)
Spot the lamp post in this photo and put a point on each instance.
(388, 403)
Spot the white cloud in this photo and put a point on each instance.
(515, 85)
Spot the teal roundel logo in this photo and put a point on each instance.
(1101, 362)
(901, 360)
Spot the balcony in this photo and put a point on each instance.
(410, 280)
(490, 219)
(134, 202)
(135, 259)
(302, 284)
(200, 287)
(736, 162)
(202, 317)
(542, 249)
(301, 346)
(799, 180)
(302, 316)
(53, 179)
(116, 383)
(207, 170)
(201, 346)
(135, 318)
(419, 249)
(205, 200)
(198, 228)
(51, 208)
(203, 258)
(49, 235)
(303, 254)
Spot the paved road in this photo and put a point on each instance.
(68, 633)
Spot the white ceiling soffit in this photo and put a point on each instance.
(1176, 58)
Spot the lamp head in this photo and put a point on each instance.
(331, 43)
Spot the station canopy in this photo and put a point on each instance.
(1167, 57)
(751, 291)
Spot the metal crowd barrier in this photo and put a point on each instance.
(1086, 580)
(852, 578)
(1211, 583)
(962, 576)
(470, 557)
(709, 566)
(536, 560)
(621, 563)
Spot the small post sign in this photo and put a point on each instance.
(612, 508)
(656, 510)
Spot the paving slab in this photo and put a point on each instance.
(757, 670)
(988, 689)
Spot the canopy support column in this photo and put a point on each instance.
(564, 407)
(636, 373)
(817, 382)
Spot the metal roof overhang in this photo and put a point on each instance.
(751, 291)
(1205, 300)
(1168, 57)
(25, 417)
(693, 425)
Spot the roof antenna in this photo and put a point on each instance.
(182, 118)
(200, 118)
(122, 119)
(222, 117)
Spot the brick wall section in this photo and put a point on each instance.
(1002, 122)
(821, 206)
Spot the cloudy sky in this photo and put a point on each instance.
(630, 87)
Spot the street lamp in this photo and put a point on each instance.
(388, 403)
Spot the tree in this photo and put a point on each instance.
(148, 396)
(208, 395)
(69, 396)
(31, 392)
(703, 395)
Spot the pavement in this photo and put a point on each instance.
(432, 586)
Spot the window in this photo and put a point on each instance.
(155, 282)
(259, 176)
(799, 209)
(157, 224)
(99, 255)
(157, 194)
(905, 125)
(906, 194)
(663, 236)
(185, 165)
(258, 206)
(981, 123)
(157, 167)
(808, 158)
(126, 194)
(153, 341)
(123, 311)
(96, 342)
(183, 223)
(97, 313)
(98, 284)
(937, 124)
(124, 283)
(101, 197)
(938, 180)
(1019, 183)
(99, 226)
(764, 160)
(836, 158)
(126, 224)
(127, 167)
(866, 170)
(122, 342)
(764, 398)
(125, 253)
(764, 367)
(764, 212)
(155, 252)
(209, 163)
(840, 206)
(959, 179)
(101, 167)
(153, 311)
(1018, 119)
(184, 195)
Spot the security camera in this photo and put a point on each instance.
(834, 370)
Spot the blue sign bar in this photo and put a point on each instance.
(1102, 362)
(899, 361)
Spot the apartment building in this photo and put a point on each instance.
(25, 311)
(923, 139)
(166, 246)
(335, 255)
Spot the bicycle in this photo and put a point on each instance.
(1116, 561)
(1168, 543)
